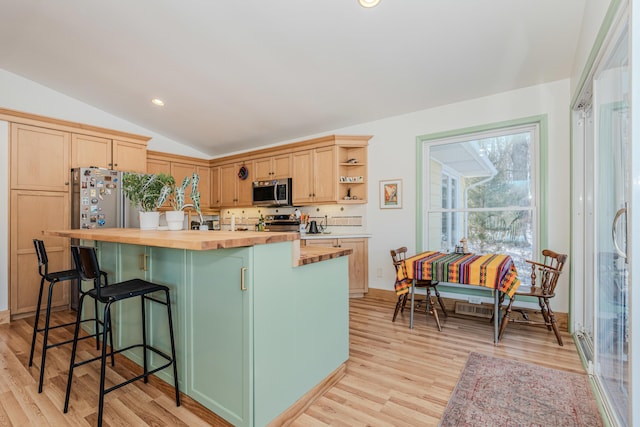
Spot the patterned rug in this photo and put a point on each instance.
(498, 392)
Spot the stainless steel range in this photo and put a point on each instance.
(281, 223)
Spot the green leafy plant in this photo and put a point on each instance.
(144, 189)
(175, 194)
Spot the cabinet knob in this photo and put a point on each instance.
(66, 183)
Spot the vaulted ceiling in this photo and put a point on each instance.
(239, 74)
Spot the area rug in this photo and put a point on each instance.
(496, 392)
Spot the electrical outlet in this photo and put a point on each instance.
(379, 272)
(475, 300)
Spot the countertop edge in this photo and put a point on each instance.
(307, 236)
(311, 255)
(183, 239)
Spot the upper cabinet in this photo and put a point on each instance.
(235, 191)
(180, 167)
(128, 156)
(272, 167)
(39, 158)
(334, 173)
(314, 177)
(215, 187)
(108, 153)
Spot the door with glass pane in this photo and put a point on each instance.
(611, 192)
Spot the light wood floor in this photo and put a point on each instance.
(395, 376)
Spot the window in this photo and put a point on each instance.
(449, 203)
(481, 185)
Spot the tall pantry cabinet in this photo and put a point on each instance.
(42, 152)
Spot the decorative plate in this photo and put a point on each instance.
(243, 173)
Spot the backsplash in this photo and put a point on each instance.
(340, 218)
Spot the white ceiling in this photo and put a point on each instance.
(238, 74)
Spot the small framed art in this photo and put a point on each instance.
(391, 194)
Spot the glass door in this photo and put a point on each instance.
(611, 157)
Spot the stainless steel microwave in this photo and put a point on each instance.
(274, 192)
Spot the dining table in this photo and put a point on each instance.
(494, 271)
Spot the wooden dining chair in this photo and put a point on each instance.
(398, 256)
(544, 278)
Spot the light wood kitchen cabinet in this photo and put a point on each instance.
(90, 151)
(87, 150)
(215, 187)
(39, 158)
(358, 261)
(204, 186)
(179, 171)
(158, 166)
(235, 192)
(273, 167)
(314, 176)
(32, 212)
(129, 156)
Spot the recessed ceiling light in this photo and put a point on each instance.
(158, 102)
(368, 3)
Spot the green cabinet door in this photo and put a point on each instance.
(220, 350)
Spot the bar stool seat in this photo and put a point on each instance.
(53, 278)
(88, 269)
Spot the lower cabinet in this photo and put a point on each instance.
(358, 261)
(249, 343)
(31, 212)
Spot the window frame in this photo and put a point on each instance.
(539, 172)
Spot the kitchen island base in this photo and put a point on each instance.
(257, 338)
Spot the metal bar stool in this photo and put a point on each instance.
(88, 269)
(53, 278)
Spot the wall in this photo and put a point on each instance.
(392, 153)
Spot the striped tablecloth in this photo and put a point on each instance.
(493, 271)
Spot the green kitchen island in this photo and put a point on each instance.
(261, 325)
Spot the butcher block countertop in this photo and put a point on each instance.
(311, 254)
(204, 240)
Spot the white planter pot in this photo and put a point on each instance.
(175, 219)
(149, 220)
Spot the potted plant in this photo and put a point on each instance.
(176, 196)
(144, 190)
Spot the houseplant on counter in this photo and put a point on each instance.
(143, 190)
(176, 196)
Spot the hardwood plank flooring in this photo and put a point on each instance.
(395, 376)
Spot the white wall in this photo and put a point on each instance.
(392, 154)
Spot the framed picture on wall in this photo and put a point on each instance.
(391, 194)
